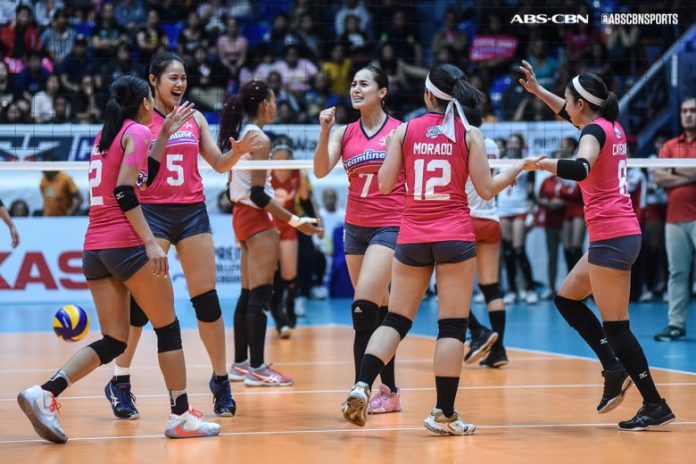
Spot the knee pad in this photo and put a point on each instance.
(108, 349)
(138, 318)
(452, 328)
(207, 306)
(491, 292)
(365, 315)
(399, 323)
(169, 337)
(260, 298)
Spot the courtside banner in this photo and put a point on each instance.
(47, 264)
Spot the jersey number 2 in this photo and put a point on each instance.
(96, 167)
(442, 180)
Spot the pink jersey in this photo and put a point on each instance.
(608, 209)
(362, 157)
(436, 172)
(178, 180)
(108, 226)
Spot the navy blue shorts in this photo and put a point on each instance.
(121, 263)
(176, 222)
(616, 253)
(427, 254)
(356, 239)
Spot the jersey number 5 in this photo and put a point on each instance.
(442, 180)
(176, 170)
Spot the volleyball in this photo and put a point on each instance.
(71, 323)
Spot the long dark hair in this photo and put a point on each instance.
(452, 80)
(126, 94)
(609, 110)
(244, 103)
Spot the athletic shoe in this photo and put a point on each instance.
(385, 401)
(355, 407)
(438, 423)
(646, 296)
(190, 425)
(319, 292)
(495, 359)
(531, 297)
(671, 334)
(510, 298)
(649, 416)
(480, 345)
(41, 407)
(223, 403)
(616, 382)
(300, 310)
(264, 376)
(284, 332)
(548, 294)
(238, 371)
(122, 400)
(479, 298)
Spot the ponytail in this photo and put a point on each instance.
(127, 94)
(467, 95)
(238, 107)
(452, 80)
(609, 109)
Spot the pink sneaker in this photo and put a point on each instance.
(385, 401)
(264, 376)
(238, 371)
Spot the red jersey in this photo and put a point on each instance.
(178, 180)
(681, 204)
(286, 191)
(362, 157)
(436, 172)
(108, 226)
(551, 189)
(608, 209)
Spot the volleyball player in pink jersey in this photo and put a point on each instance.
(254, 209)
(372, 218)
(174, 206)
(615, 239)
(439, 151)
(120, 256)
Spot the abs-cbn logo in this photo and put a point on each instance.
(553, 19)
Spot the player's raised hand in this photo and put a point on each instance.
(327, 118)
(529, 83)
(177, 118)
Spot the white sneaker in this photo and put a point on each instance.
(355, 407)
(41, 407)
(319, 292)
(190, 425)
(531, 297)
(646, 296)
(547, 295)
(510, 298)
(436, 422)
(300, 306)
(479, 298)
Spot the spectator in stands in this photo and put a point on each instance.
(352, 8)
(192, 37)
(578, 39)
(533, 109)
(401, 93)
(275, 82)
(545, 65)
(285, 114)
(599, 64)
(86, 107)
(342, 114)
(338, 68)
(232, 48)
(61, 110)
(59, 39)
(259, 65)
(130, 14)
(123, 64)
(401, 34)
(20, 37)
(310, 38)
(7, 88)
(42, 103)
(33, 77)
(621, 47)
(279, 37)
(151, 38)
(19, 208)
(450, 35)
(15, 113)
(45, 10)
(680, 232)
(76, 66)
(357, 41)
(107, 35)
(5, 217)
(296, 72)
(206, 79)
(60, 194)
(319, 96)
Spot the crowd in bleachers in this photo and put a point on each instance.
(58, 57)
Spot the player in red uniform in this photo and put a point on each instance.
(615, 239)
(372, 218)
(438, 151)
(118, 247)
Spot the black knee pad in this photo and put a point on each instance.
(491, 292)
(452, 328)
(108, 349)
(260, 299)
(138, 318)
(207, 306)
(365, 315)
(399, 323)
(168, 337)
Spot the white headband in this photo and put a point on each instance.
(447, 126)
(585, 94)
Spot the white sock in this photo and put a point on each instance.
(118, 370)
